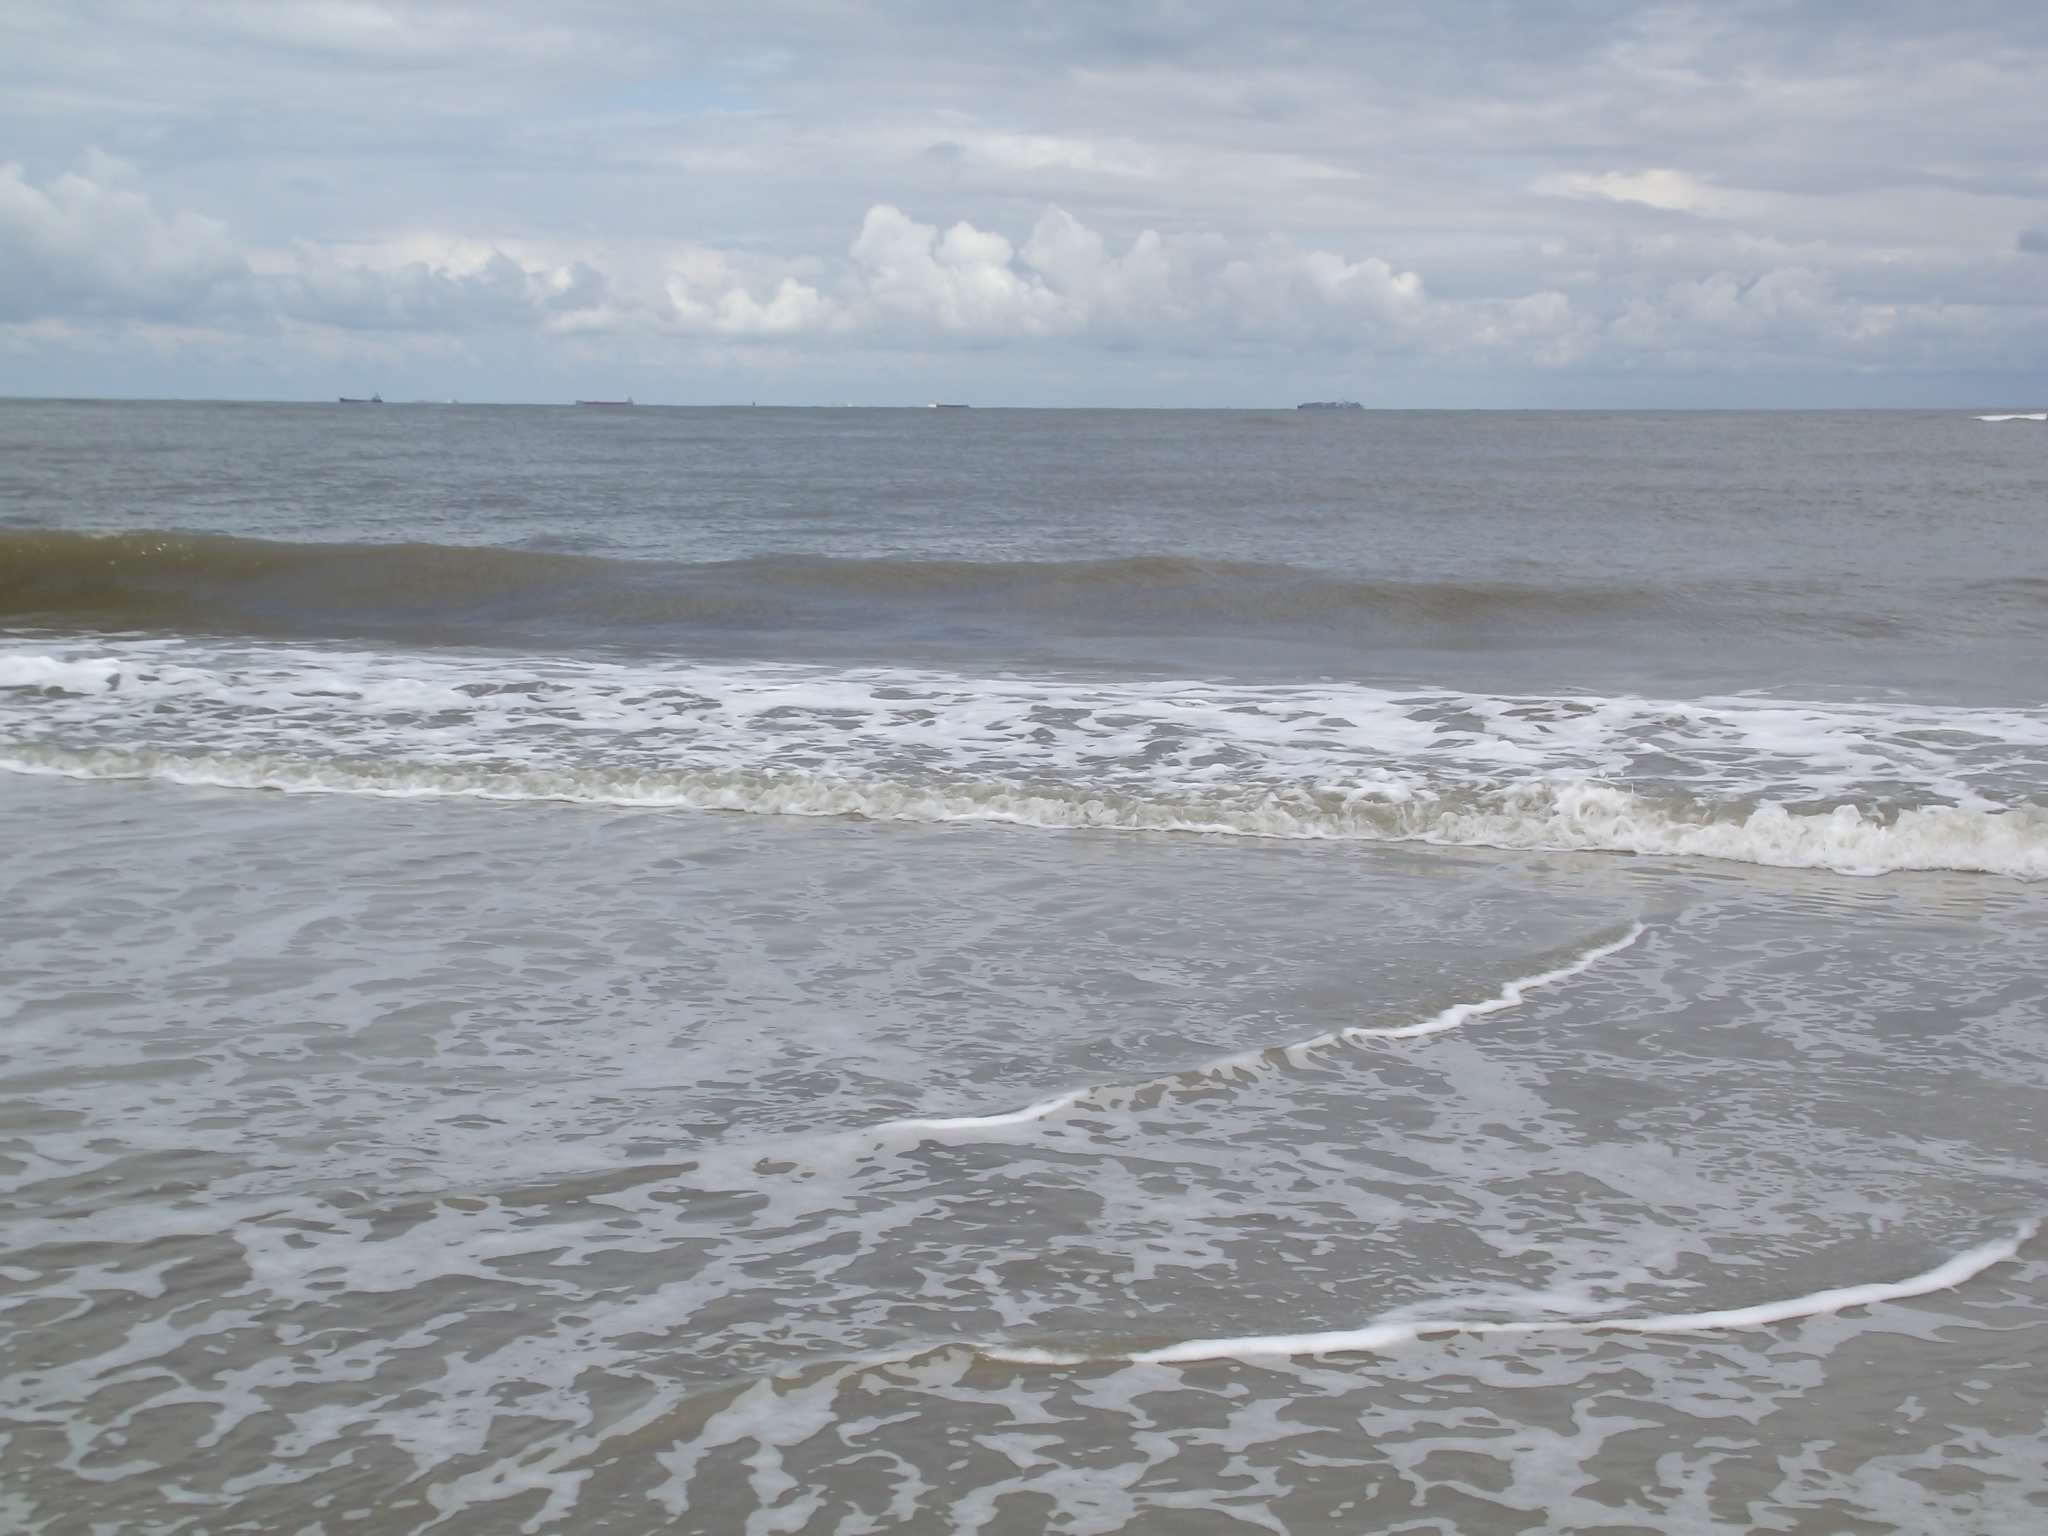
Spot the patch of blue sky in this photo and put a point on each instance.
(727, 88)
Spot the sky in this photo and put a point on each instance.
(1458, 203)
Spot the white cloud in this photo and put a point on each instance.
(905, 283)
(91, 249)
(417, 296)
(1064, 191)
(706, 293)
(963, 281)
(1783, 306)
(1674, 191)
(91, 246)
(88, 242)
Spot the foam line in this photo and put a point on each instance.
(1024, 1116)
(1510, 996)
(1380, 1336)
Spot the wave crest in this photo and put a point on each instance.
(1552, 814)
(1858, 787)
(213, 584)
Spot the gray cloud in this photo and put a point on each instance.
(1558, 191)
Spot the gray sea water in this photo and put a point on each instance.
(837, 971)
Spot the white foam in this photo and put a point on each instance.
(1378, 1337)
(1511, 995)
(1862, 788)
(1031, 1113)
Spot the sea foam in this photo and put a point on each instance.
(1858, 787)
(1375, 1338)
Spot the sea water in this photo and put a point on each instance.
(839, 971)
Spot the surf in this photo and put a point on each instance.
(1864, 788)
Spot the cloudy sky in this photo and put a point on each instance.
(1148, 202)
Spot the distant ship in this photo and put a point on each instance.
(2018, 416)
(947, 405)
(611, 404)
(1329, 405)
(352, 400)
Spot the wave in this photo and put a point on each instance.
(1393, 1332)
(1269, 1058)
(1865, 788)
(218, 584)
(210, 584)
(1556, 815)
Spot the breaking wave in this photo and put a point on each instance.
(1562, 815)
(1862, 788)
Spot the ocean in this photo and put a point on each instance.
(829, 971)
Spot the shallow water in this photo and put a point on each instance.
(561, 1076)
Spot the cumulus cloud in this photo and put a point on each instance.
(82, 249)
(89, 243)
(1783, 307)
(500, 291)
(705, 292)
(1612, 186)
(906, 282)
(963, 281)
(91, 248)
